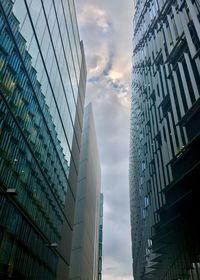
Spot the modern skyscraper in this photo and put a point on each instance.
(165, 139)
(42, 90)
(85, 246)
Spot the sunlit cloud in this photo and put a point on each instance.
(114, 75)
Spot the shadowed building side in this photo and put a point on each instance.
(65, 245)
(85, 245)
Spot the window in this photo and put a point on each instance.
(143, 166)
(146, 201)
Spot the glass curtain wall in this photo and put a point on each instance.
(40, 62)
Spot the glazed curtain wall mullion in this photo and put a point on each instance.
(74, 18)
(71, 38)
(161, 92)
(78, 78)
(157, 168)
(172, 99)
(73, 79)
(29, 221)
(19, 127)
(152, 124)
(155, 120)
(28, 185)
(163, 80)
(188, 35)
(23, 20)
(23, 13)
(39, 23)
(164, 168)
(39, 59)
(72, 13)
(60, 76)
(192, 77)
(67, 55)
(185, 86)
(168, 139)
(172, 132)
(164, 146)
(154, 188)
(194, 16)
(171, 29)
(46, 73)
(178, 94)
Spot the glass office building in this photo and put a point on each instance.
(42, 90)
(165, 140)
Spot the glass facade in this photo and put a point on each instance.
(165, 138)
(41, 72)
(52, 41)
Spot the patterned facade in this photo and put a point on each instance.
(165, 138)
(42, 83)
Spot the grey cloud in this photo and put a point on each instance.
(93, 79)
(108, 66)
(94, 60)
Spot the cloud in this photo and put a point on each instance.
(90, 15)
(106, 29)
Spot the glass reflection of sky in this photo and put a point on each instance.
(58, 64)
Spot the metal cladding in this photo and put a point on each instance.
(165, 139)
(86, 235)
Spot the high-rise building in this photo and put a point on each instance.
(42, 91)
(85, 245)
(165, 140)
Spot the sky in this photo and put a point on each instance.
(106, 29)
